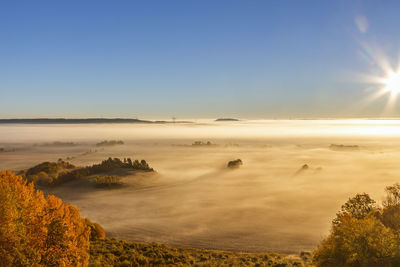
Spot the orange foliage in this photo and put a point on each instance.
(37, 230)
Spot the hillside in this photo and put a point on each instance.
(55, 173)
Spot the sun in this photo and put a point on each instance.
(383, 79)
(392, 83)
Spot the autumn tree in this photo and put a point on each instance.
(392, 197)
(358, 207)
(37, 230)
(359, 242)
(364, 234)
(391, 207)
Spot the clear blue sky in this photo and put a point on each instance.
(190, 59)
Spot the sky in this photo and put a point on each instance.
(195, 59)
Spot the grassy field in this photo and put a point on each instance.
(113, 252)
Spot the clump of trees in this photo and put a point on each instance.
(107, 165)
(364, 233)
(46, 173)
(108, 181)
(54, 173)
(234, 164)
(344, 147)
(39, 231)
(2, 149)
(110, 143)
(58, 144)
(201, 143)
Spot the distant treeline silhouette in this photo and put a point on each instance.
(226, 119)
(72, 121)
(58, 144)
(110, 143)
(77, 121)
(201, 143)
(344, 147)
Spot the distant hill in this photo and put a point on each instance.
(74, 121)
(226, 119)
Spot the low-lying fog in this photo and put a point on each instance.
(194, 200)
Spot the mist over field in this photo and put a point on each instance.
(270, 203)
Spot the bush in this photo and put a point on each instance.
(96, 231)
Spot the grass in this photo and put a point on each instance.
(112, 252)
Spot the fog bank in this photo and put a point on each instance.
(194, 200)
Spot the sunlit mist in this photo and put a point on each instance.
(194, 200)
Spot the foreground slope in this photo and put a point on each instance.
(43, 231)
(112, 252)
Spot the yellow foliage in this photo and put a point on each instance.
(359, 242)
(39, 231)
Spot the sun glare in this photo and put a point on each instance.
(386, 80)
(392, 83)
